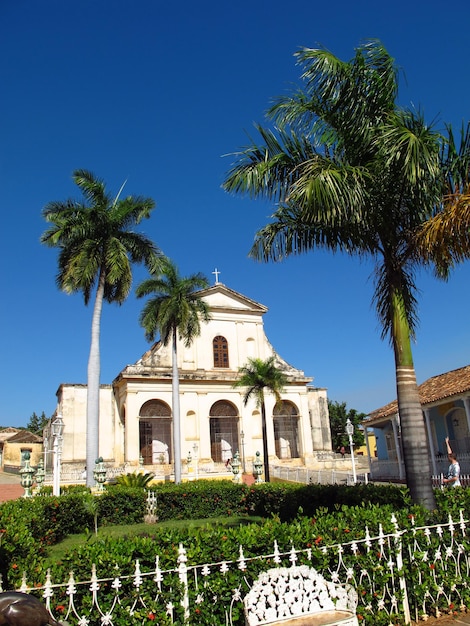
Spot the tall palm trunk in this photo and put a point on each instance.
(93, 386)
(264, 432)
(413, 430)
(176, 410)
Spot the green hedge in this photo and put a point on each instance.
(201, 499)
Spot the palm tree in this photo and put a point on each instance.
(257, 376)
(97, 247)
(350, 171)
(175, 309)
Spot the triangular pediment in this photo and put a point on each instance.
(221, 297)
(226, 306)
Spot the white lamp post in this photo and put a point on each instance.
(57, 428)
(45, 444)
(350, 432)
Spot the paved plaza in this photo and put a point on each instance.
(10, 486)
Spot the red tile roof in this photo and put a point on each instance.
(433, 390)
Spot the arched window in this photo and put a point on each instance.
(220, 348)
(155, 432)
(286, 430)
(223, 431)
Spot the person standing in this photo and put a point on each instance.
(453, 473)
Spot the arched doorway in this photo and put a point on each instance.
(286, 430)
(224, 431)
(155, 432)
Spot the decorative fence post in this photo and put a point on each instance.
(399, 559)
(183, 576)
(27, 473)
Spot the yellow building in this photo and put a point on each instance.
(14, 444)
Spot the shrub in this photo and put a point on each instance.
(29, 525)
(121, 505)
(135, 480)
(200, 499)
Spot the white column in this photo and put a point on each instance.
(132, 439)
(366, 435)
(466, 403)
(431, 441)
(196, 460)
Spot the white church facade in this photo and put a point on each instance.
(136, 409)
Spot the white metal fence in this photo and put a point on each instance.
(406, 574)
(384, 469)
(437, 480)
(307, 475)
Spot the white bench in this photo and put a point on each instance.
(299, 596)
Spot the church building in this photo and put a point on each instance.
(136, 409)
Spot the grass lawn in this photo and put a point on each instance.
(57, 552)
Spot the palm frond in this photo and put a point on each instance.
(258, 375)
(409, 146)
(175, 304)
(95, 239)
(395, 281)
(93, 189)
(444, 240)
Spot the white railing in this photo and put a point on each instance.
(385, 569)
(385, 469)
(307, 475)
(437, 481)
(442, 463)
(75, 475)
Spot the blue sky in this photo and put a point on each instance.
(156, 93)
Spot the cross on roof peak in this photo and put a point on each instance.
(216, 272)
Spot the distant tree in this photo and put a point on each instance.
(36, 424)
(97, 247)
(175, 309)
(338, 417)
(258, 375)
